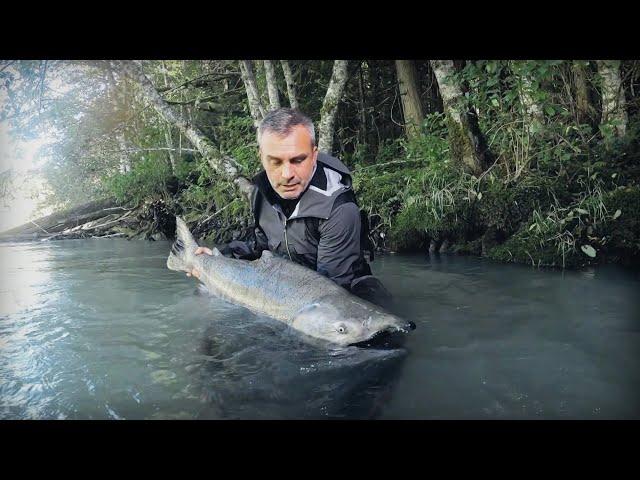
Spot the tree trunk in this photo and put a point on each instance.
(167, 129)
(362, 108)
(272, 85)
(532, 111)
(330, 105)
(411, 106)
(583, 104)
(291, 86)
(464, 143)
(249, 80)
(222, 164)
(613, 98)
(119, 102)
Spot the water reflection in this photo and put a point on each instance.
(25, 278)
(280, 377)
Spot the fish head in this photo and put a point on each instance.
(346, 322)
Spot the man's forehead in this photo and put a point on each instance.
(298, 138)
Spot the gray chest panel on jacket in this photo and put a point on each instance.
(316, 202)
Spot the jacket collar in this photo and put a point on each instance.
(331, 178)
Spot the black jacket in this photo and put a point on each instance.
(322, 233)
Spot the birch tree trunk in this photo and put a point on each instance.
(249, 80)
(272, 85)
(291, 86)
(167, 129)
(613, 98)
(411, 106)
(222, 164)
(330, 105)
(464, 143)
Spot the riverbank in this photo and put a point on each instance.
(582, 211)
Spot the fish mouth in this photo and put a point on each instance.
(390, 337)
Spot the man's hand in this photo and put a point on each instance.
(199, 251)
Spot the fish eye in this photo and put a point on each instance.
(341, 329)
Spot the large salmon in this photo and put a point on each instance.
(302, 298)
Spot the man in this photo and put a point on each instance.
(305, 208)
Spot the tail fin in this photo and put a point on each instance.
(182, 250)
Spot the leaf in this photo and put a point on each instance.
(582, 211)
(614, 175)
(588, 250)
(494, 102)
(617, 214)
(480, 197)
(550, 110)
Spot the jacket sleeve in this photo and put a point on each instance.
(339, 244)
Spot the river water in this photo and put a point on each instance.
(101, 329)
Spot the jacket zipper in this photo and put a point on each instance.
(286, 241)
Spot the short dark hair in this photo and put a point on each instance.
(282, 120)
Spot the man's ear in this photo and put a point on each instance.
(315, 154)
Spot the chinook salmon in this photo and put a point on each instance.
(296, 295)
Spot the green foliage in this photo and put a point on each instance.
(560, 187)
(147, 179)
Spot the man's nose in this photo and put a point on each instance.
(287, 170)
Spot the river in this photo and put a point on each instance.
(101, 329)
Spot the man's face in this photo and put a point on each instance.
(288, 161)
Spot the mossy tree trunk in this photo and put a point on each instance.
(291, 84)
(330, 105)
(272, 85)
(465, 144)
(411, 105)
(584, 108)
(613, 97)
(249, 80)
(222, 164)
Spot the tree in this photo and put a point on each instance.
(613, 97)
(411, 105)
(465, 144)
(249, 80)
(291, 86)
(224, 165)
(584, 109)
(330, 105)
(527, 91)
(272, 85)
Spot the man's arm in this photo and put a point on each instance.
(249, 249)
(339, 245)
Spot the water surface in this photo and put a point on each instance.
(100, 329)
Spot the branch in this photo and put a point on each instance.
(222, 164)
(197, 82)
